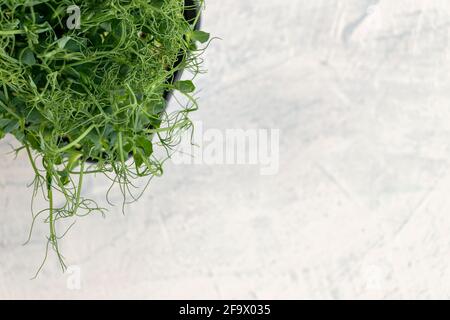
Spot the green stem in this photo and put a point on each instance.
(175, 126)
(11, 32)
(30, 157)
(122, 158)
(50, 200)
(80, 184)
(9, 110)
(200, 7)
(16, 32)
(77, 140)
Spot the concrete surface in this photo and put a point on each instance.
(360, 90)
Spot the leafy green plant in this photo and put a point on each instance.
(92, 100)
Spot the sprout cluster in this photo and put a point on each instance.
(92, 99)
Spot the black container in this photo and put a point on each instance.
(191, 12)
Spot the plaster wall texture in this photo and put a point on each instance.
(360, 90)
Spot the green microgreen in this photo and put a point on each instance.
(92, 100)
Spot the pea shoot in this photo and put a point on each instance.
(92, 99)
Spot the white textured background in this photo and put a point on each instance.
(360, 208)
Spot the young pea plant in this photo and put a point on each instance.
(92, 100)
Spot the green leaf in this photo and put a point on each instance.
(73, 161)
(58, 160)
(157, 3)
(95, 139)
(138, 158)
(185, 86)
(200, 36)
(2, 134)
(73, 46)
(118, 29)
(106, 26)
(64, 176)
(33, 142)
(127, 147)
(71, 73)
(156, 107)
(20, 136)
(4, 123)
(145, 144)
(34, 117)
(8, 126)
(2, 97)
(62, 42)
(27, 57)
(124, 70)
